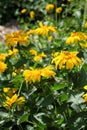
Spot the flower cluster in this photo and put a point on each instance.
(11, 101)
(76, 37)
(16, 38)
(33, 75)
(67, 60)
(37, 57)
(3, 66)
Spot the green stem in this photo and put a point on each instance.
(20, 88)
(55, 12)
(85, 12)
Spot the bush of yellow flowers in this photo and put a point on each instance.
(43, 70)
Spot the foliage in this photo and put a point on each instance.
(43, 68)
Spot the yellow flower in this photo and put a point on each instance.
(50, 38)
(32, 14)
(83, 45)
(44, 29)
(15, 99)
(66, 60)
(3, 56)
(13, 74)
(24, 65)
(59, 10)
(12, 52)
(32, 75)
(30, 32)
(76, 37)
(85, 97)
(55, 54)
(49, 7)
(3, 66)
(48, 72)
(71, 40)
(85, 24)
(81, 35)
(5, 90)
(85, 87)
(15, 38)
(9, 91)
(33, 52)
(23, 11)
(40, 56)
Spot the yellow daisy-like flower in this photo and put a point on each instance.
(32, 14)
(15, 38)
(83, 45)
(85, 87)
(55, 54)
(3, 66)
(85, 97)
(49, 7)
(50, 38)
(32, 75)
(44, 29)
(9, 91)
(48, 72)
(23, 11)
(13, 74)
(76, 37)
(67, 60)
(33, 52)
(3, 56)
(15, 99)
(71, 40)
(81, 35)
(37, 56)
(12, 52)
(40, 56)
(59, 10)
(30, 32)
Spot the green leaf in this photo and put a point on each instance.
(58, 87)
(60, 121)
(46, 101)
(23, 118)
(17, 79)
(64, 97)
